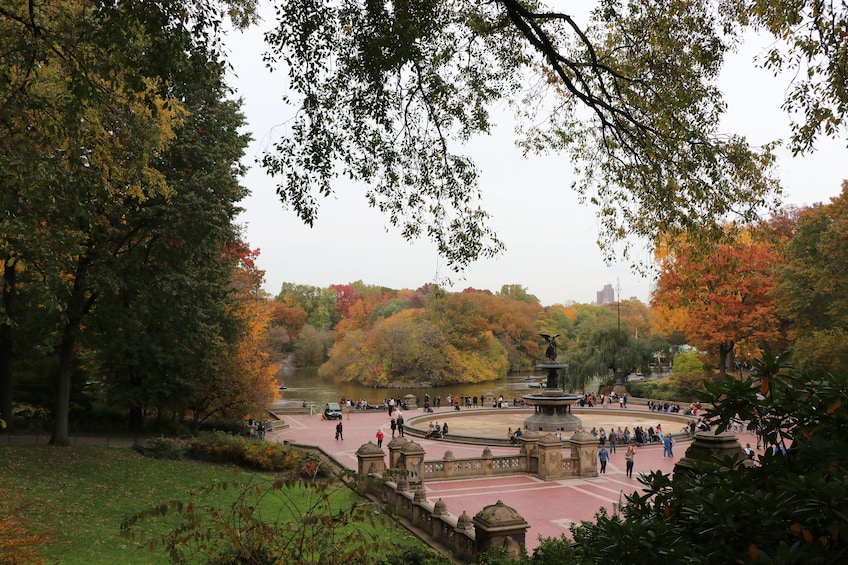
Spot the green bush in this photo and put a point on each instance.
(235, 427)
(162, 448)
(656, 390)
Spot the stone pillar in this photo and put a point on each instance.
(411, 401)
(450, 464)
(465, 543)
(420, 515)
(488, 459)
(498, 526)
(440, 513)
(411, 460)
(488, 400)
(549, 448)
(530, 446)
(394, 451)
(707, 447)
(584, 447)
(370, 460)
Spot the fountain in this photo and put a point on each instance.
(553, 406)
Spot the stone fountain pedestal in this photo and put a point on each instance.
(553, 406)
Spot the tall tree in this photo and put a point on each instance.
(84, 99)
(165, 308)
(726, 294)
(810, 286)
(239, 378)
(599, 348)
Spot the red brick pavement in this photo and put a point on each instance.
(548, 506)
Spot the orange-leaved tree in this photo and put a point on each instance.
(725, 294)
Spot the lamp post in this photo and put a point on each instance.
(619, 379)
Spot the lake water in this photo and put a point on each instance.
(304, 385)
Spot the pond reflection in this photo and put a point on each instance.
(306, 386)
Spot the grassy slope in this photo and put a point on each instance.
(81, 495)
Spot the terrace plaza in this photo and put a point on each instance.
(548, 506)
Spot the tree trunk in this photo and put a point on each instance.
(724, 351)
(6, 341)
(136, 419)
(79, 304)
(63, 397)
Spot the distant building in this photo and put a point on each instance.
(606, 295)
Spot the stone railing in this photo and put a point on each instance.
(399, 485)
(487, 465)
(462, 537)
(541, 454)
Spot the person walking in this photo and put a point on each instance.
(603, 457)
(339, 431)
(379, 438)
(629, 456)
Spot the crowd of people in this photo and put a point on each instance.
(608, 440)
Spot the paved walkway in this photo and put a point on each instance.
(548, 506)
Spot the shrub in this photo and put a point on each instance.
(17, 543)
(235, 427)
(657, 390)
(218, 447)
(31, 419)
(162, 448)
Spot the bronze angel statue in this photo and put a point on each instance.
(551, 352)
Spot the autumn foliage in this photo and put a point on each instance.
(721, 297)
(18, 544)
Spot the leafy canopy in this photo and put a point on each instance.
(388, 93)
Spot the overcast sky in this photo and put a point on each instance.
(550, 239)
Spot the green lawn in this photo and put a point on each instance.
(80, 495)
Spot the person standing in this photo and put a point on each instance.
(613, 439)
(379, 438)
(667, 444)
(629, 456)
(603, 457)
(400, 424)
(393, 425)
(339, 431)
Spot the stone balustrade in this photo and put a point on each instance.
(464, 538)
(400, 486)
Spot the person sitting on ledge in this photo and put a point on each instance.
(445, 429)
(515, 435)
(435, 431)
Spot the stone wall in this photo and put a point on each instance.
(541, 454)
(463, 538)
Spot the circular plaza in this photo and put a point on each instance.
(493, 425)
